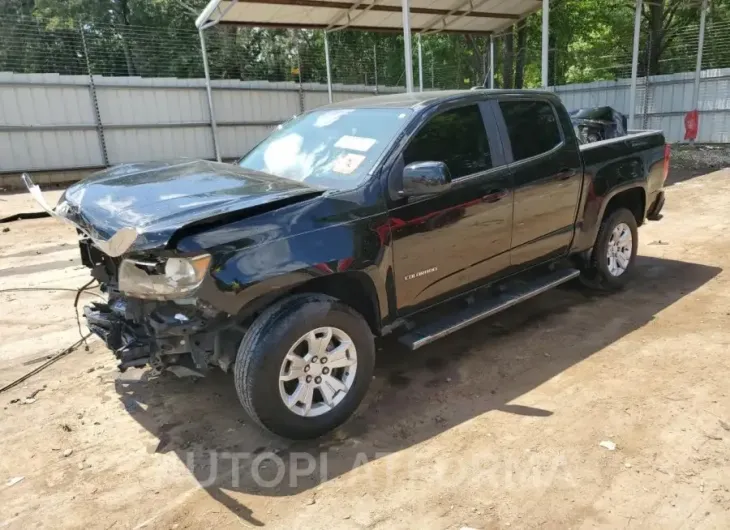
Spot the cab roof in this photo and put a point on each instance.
(419, 100)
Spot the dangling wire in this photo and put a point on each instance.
(76, 310)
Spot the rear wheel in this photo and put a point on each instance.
(304, 366)
(614, 254)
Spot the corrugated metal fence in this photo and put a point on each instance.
(662, 102)
(53, 122)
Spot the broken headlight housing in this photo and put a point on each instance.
(163, 279)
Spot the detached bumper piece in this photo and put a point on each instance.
(654, 213)
(130, 344)
(140, 335)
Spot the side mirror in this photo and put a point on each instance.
(425, 178)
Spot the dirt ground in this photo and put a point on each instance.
(499, 426)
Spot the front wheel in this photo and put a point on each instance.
(614, 254)
(304, 366)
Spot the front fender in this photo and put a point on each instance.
(244, 280)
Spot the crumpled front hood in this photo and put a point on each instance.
(157, 199)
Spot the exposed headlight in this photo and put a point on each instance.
(167, 279)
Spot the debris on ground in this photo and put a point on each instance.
(659, 242)
(68, 452)
(608, 444)
(66, 427)
(13, 481)
(725, 425)
(28, 401)
(700, 157)
(35, 392)
(6, 229)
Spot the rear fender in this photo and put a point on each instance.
(603, 184)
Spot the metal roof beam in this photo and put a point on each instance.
(376, 29)
(351, 19)
(385, 8)
(221, 14)
(459, 13)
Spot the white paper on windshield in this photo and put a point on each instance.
(355, 143)
(347, 163)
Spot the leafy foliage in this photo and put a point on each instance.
(589, 40)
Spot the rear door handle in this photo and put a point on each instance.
(565, 174)
(495, 195)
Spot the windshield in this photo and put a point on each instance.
(333, 149)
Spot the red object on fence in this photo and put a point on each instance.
(691, 123)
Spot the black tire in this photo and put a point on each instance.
(266, 343)
(597, 275)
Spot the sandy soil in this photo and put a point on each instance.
(496, 427)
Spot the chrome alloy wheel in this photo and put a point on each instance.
(318, 371)
(620, 248)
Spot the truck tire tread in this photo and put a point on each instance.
(255, 350)
(596, 275)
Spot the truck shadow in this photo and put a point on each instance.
(414, 396)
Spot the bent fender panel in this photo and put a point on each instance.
(243, 276)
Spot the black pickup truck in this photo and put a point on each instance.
(373, 216)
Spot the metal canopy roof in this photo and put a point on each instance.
(426, 16)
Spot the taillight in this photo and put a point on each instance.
(667, 155)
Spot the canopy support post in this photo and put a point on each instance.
(208, 89)
(327, 64)
(375, 65)
(635, 64)
(545, 41)
(420, 64)
(698, 67)
(407, 51)
(491, 61)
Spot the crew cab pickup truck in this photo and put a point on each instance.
(414, 214)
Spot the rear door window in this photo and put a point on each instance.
(532, 127)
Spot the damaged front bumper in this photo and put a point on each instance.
(155, 320)
(165, 336)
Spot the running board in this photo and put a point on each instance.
(456, 321)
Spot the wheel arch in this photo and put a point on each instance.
(596, 206)
(632, 198)
(353, 288)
